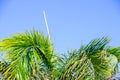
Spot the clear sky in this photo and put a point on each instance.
(71, 22)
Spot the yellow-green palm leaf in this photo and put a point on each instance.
(28, 56)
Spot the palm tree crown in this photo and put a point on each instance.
(28, 54)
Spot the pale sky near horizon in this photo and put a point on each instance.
(71, 23)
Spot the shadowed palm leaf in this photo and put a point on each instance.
(77, 67)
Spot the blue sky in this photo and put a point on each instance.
(71, 22)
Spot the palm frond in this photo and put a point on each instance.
(115, 51)
(102, 60)
(26, 53)
(78, 67)
(96, 44)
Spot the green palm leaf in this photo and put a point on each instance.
(78, 67)
(29, 56)
(115, 51)
(103, 62)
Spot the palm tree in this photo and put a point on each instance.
(29, 56)
(96, 59)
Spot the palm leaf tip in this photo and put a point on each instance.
(97, 44)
